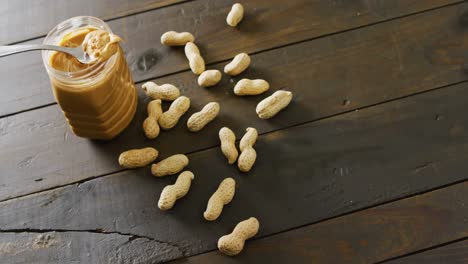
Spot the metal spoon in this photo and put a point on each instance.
(77, 52)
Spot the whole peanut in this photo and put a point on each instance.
(196, 62)
(170, 165)
(238, 64)
(209, 78)
(247, 159)
(150, 125)
(228, 146)
(166, 92)
(251, 87)
(177, 109)
(233, 243)
(221, 197)
(200, 119)
(136, 158)
(271, 105)
(171, 193)
(173, 38)
(248, 154)
(235, 15)
(249, 138)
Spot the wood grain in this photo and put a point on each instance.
(369, 236)
(82, 247)
(454, 253)
(268, 24)
(302, 175)
(27, 19)
(327, 76)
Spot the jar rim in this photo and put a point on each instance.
(57, 33)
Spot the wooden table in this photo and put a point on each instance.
(368, 164)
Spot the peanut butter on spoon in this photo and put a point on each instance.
(97, 43)
(100, 45)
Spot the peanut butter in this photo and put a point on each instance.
(98, 99)
(97, 43)
(100, 45)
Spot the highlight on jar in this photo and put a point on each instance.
(89, 76)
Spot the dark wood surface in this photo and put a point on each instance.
(453, 253)
(268, 24)
(27, 19)
(378, 116)
(367, 236)
(387, 149)
(346, 83)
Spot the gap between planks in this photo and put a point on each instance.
(424, 250)
(130, 236)
(252, 53)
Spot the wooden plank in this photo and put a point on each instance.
(453, 253)
(327, 76)
(370, 235)
(302, 175)
(27, 19)
(268, 24)
(82, 247)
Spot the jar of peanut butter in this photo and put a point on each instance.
(98, 99)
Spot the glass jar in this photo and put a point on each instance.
(99, 101)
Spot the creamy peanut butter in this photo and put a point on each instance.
(102, 100)
(99, 44)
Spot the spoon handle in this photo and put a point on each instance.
(13, 49)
